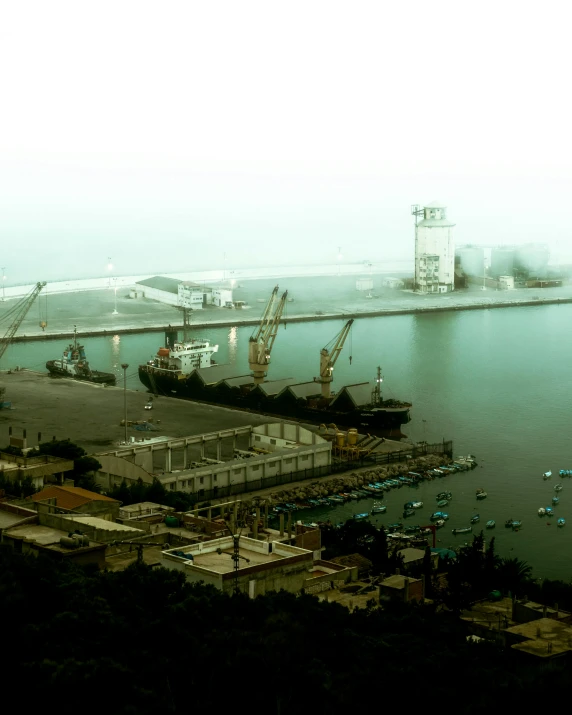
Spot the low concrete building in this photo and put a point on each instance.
(402, 588)
(190, 295)
(12, 515)
(56, 543)
(159, 288)
(40, 469)
(414, 557)
(263, 566)
(219, 464)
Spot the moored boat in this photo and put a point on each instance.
(541, 511)
(442, 502)
(516, 524)
(481, 493)
(363, 515)
(464, 530)
(491, 523)
(74, 364)
(561, 521)
(439, 523)
(547, 475)
(475, 518)
(558, 487)
(378, 509)
(555, 500)
(408, 512)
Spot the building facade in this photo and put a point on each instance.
(434, 250)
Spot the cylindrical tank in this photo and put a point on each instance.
(340, 439)
(532, 259)
(172, 521)
(352, 437)
(502, 261)
(163, 352)
(472, 260)
(81, 539)
(69, 543)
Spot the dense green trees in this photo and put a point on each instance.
(144, 641)
(138, 491)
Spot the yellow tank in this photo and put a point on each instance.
(340, 439)
(352, 437)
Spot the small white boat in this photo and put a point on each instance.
(417, 504)
(558, 487)
(547, 475)
(541, 511)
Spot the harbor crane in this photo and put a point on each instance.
(262, 339)
(17, 315)
(328, 358)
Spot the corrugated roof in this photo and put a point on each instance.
(359, 394)
(215, 374)
(238, 381)
(169, 285)
(273, 387)
(304, 389)
(70, 497)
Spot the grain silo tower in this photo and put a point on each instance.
(434, 249)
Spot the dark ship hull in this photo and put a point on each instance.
(383, 420)
(100, 378)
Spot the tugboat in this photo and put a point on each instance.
(74, 364)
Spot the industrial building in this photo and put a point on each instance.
(220, 463)
(183, 294)
(264, 566)
(434, 249)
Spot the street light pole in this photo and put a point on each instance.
(125, 365)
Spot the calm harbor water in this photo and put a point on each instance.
(496, 382)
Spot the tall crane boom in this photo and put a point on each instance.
(19, 311)
(262, 339)
(328, 358)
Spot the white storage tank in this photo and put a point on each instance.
(472, 260)
(502, 261)
(532, 258)
(364, 284)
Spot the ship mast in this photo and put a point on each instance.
(376, 398)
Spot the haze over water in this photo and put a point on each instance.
(496, 382)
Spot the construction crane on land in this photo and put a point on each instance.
(17, 315)
(261, 341)
(328, 358)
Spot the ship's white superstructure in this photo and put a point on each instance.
(186, 356)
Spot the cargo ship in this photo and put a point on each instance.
(74, 364)
(187, 370)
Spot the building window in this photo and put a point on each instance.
(257, 438)
(201, 480)
(288, 460)
(215, 477)
(236, 472)
(255, 467)
(272, 441)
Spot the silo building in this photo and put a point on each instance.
(434, 250)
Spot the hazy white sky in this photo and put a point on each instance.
(166, 134)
